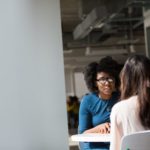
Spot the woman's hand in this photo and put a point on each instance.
(102, 128)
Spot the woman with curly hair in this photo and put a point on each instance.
(94, 114)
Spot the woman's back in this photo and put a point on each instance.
(125, 120)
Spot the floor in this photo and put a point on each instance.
(74, 148)
(73, 145)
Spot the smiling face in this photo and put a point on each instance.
(105, 84)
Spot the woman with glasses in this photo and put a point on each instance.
(132, 113)
(94, 114)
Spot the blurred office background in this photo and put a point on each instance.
(97, 28)
(92, 29)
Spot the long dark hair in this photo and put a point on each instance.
(135, 80)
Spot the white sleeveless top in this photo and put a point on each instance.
(124, 120)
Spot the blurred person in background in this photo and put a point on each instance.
(70, 112)
(76, 105)
(73, 111)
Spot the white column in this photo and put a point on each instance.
(32, 91)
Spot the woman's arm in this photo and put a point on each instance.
(102, 128)
(85, 117)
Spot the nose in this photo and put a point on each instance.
(106, 82)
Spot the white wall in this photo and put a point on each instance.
(32, 99)
(80, 86)
(69, 82)
(75, 84)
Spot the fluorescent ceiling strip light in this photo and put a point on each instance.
(107, 52)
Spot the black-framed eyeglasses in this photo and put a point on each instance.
(104, 80)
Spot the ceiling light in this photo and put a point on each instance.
(107, 52)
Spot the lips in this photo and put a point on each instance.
(107, 89)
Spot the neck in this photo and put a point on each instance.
(105, 97)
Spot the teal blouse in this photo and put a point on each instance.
(94, 111)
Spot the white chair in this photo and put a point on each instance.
(136, 141)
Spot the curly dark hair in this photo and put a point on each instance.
(106, 64)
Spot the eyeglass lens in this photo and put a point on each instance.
(104, 80)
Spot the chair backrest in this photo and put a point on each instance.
(136, 141)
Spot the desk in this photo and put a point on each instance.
(91, 137)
